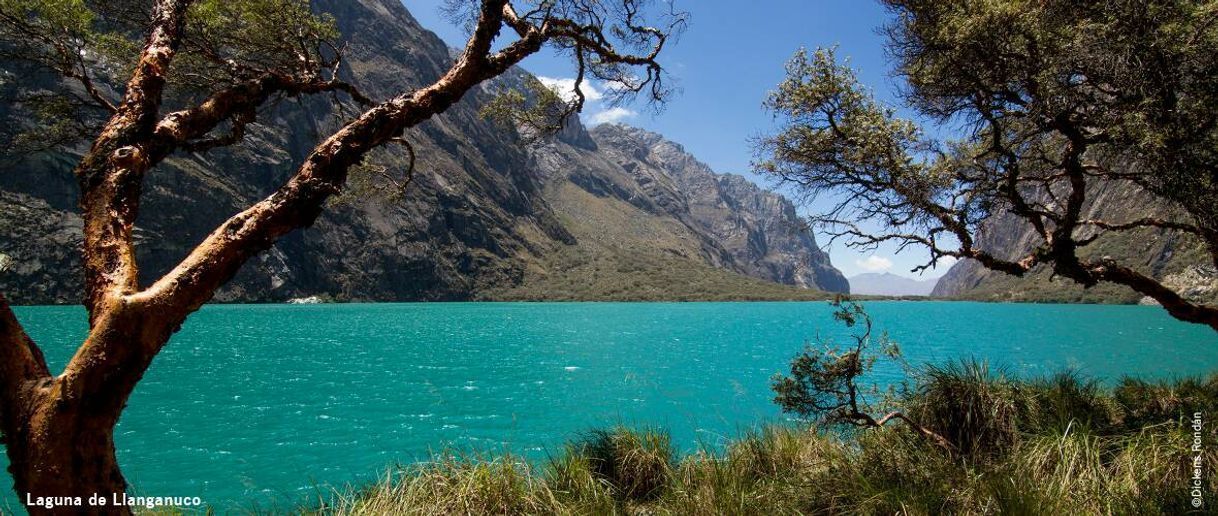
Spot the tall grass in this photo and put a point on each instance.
(453, 485)
(1058, 445)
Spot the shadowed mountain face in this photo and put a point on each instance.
(480, 218)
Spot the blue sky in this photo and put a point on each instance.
(729, 58)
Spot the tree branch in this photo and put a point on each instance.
(1146, 222)
(298, 202)
(90, 87)
(1174, 303)
(111, 174)
(926, 432)
(237, 103)
(21, 362)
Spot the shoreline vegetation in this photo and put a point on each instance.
(1055, 445)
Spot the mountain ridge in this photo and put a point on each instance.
(477, 220)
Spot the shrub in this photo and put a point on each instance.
(1144, 403)
(823, 384)
(452, 484)
(970, 405)
(637, 464)
(1066, 399)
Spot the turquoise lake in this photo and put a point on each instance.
(267, 404)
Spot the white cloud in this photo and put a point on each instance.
(596, 113)
(611, 115)
(874, 263)
(565, 88)
(945, 263)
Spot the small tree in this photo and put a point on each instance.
(1056, 96)
(169, 76)
(823, 385)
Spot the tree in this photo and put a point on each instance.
(196, 81)
(823, 384)
(1055, 96)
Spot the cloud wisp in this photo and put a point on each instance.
(612, 115)
(595, 112)
(565, 88)
(874, 263)
(945, 263)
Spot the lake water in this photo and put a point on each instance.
(265, 403)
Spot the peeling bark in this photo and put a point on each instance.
(111, 174)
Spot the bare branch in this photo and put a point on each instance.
(1174, 303)
(939, 440)
(1145, 222)
(237, 104)
(21, 361)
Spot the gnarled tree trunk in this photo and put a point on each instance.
(59, 431)
(65, 451)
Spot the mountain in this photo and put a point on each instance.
(1176, 259)
(888, 284)
(611, 213)
(652, 222)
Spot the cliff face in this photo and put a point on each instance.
(652, 222)
(472, 215)
(744, 228)
(478, 215)
(1167, 255)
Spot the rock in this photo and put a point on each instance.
(1196, 283)
(311, 300)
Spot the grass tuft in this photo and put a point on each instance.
(971, 405)
(636, 464)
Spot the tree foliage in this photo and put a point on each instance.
(1054, 97)
(824, 382)
(81, 52)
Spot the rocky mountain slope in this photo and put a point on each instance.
(652, 222)
(485, 217)
(1168, 255)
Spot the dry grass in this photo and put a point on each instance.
(1024, 454)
